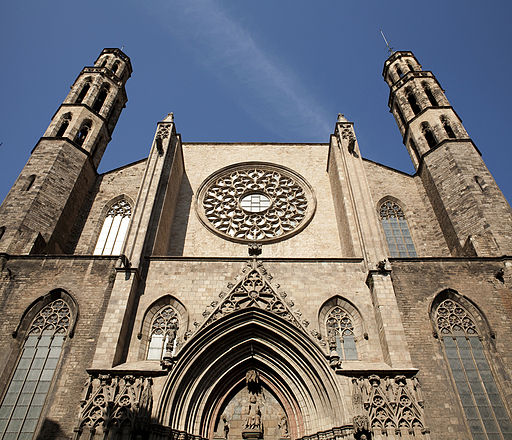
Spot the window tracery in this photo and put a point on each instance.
(26, 394)
(114, 229)
(163, 333)
(396, 230)
(255, 202)
(474, 381)
(340, 333)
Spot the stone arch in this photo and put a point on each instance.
(38, 304)
(151, 311)
(103, 215)
(481, 321)
(214, 362)
(360, 329)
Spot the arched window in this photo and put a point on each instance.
(447, 127)
(26, 394)
(411, 98)
(64, 125)
(113, 232)
(83, 92)
(429, 135)
(115, 67)
(104, 62)
(396, 230)
(340, 333)
(399, 71)
(474, 380)
(163, 333)
(100, 100)
(430, 95)
(409, 65)
(83, 132)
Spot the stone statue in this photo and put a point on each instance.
(283, 427)
(226, 426)
(253, 421)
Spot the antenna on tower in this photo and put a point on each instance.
(390, 49)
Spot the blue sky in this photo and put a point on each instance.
(271, 70)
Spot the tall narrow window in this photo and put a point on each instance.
(409, 65)
(2, 231)
(114, 229)
(396, 230)
(485, 412)
(115, 67)
(83, 92)
(26, 394)
(64, 125)
(430, 95)
(411, 98)
(30, 182)
(429, 135)
(399, 72)
(163, 332)
(100, 100)
(340, 332)
(83, 132)
(447, 127)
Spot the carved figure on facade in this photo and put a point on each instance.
(283, 427)
(388, 402)
(109, 402)
(253, 426)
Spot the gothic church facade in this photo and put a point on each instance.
(255, 290)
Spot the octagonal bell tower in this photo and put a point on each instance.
(473, 213)
(41, 208)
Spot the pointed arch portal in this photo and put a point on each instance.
(211, 369)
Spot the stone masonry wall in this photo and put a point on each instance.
(87, 280)
(409, 193)
(416, 284)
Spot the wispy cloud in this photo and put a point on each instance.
(279, 101)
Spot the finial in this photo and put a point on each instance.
(342, 118)
(169, 117)
(390, 49)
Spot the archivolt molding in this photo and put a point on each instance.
(217, 358)
(253, 288)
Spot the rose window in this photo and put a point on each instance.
(255, 202)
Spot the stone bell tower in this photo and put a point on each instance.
(41, 208)
(475, 217)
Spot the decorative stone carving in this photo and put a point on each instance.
(110, 401)
(453, 319)
(388, 403)
(255, 202)
(253, 428)
(283, 427)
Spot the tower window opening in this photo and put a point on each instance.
(411, 98)
(30, 182)
(430, 95)
(64, 125)
(447, 127)
(2, 231)
(115, 67)
(104, 62)
(100, 100)
(399, 72)
(83, 92)
(429, 135)
(82, 133)
(409, 65)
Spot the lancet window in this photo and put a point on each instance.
(102, 95)
(484, 409)
(340, 332)
(83, 132)
(83, 92)
(113, 231)
(396, 230)
(23, 402)
(163, 333)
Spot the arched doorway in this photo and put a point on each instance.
(209, 380)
